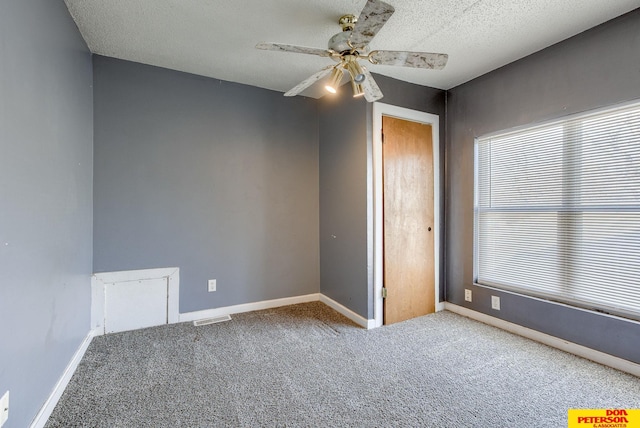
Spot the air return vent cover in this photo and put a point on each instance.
(212, 320)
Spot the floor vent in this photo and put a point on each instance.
(214, 320)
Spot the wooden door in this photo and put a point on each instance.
(407, 155)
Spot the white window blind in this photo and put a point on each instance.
(557, 211)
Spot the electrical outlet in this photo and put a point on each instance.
(212, 285)
(4, 408)
(467, 295)
(495, 303)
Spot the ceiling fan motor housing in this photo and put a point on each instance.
(340, 42)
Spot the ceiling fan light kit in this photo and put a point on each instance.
(357, 89)
(354, 68)
(351, 45)
(334, 80)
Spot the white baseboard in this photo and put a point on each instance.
(555, 342)
(276, 303)
(247, 307)
(358, 319)
(45, 411)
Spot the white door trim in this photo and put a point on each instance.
(379, 110)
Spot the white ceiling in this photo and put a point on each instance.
(216, 38)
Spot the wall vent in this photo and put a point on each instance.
(212, 320)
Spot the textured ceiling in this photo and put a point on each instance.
(216, 38)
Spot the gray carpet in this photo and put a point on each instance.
(307, 366)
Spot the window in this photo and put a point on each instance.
(557, 211)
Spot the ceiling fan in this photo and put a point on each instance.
(351, 45)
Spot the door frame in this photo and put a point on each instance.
(379, 110)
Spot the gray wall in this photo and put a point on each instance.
(597, 68)
(346, 192)
(344, 264)
(46, 126)
(218, 179)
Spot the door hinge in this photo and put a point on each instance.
(384, 293)
(382, 134)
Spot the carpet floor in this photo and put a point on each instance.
(308, 366)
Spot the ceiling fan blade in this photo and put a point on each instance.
(373, 16)
(371, 89)
(308, 82)
(292, 48)
(434, 61)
